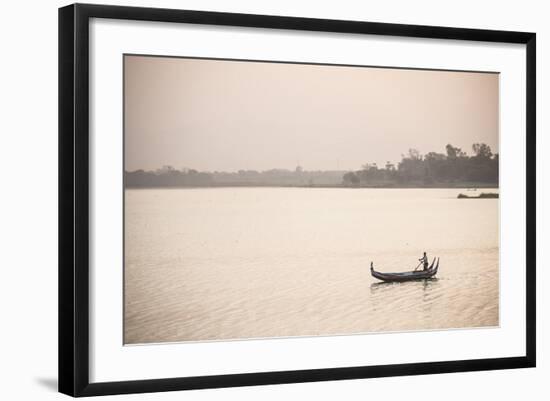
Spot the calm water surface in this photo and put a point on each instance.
(229, 263)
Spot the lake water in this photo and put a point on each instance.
(235, 263)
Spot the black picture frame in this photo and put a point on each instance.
(74, 197)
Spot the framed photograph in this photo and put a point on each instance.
(251, 199)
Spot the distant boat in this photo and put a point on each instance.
(483, 195)
(406, 276)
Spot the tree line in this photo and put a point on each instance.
(452, 168)
(168, 177)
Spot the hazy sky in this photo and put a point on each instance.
(226, 115)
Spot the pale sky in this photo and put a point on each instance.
(215, 115)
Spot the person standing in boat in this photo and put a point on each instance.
(424, 261)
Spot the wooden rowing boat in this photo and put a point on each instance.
(407, 276)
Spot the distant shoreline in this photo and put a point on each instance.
(461, 185)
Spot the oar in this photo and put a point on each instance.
(418, 265)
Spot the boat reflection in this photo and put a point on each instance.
(383, 285)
